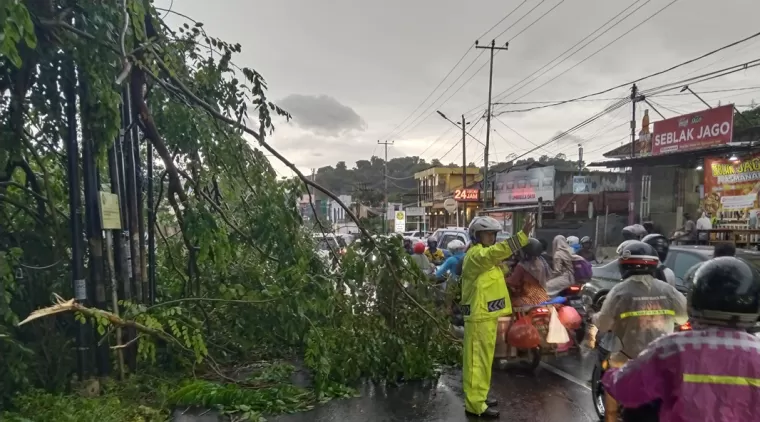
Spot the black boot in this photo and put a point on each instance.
(490, 413)
(492, 402)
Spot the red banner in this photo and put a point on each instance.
(694, 131)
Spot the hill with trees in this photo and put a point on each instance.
(364, 182)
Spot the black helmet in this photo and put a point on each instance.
(726, 291)
(432, 243)
(660, 244)
(637, 257)
(534, 248)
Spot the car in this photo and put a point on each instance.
(444, 236)
(417, 236)
(328, 242)
(680, 259)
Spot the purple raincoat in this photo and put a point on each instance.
(710, 375)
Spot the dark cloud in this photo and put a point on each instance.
(322, 114)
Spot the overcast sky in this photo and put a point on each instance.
(351, 71)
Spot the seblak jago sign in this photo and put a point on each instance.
(700, 130)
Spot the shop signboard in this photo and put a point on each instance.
(467, 195)
(525, 186)
(583, 185)
(414, 211)
(731, 189)
(700, 130)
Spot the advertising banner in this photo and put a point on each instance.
(731, 188)
(414, 211)
(525, 186)
(700, 130)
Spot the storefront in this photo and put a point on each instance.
(694, 163)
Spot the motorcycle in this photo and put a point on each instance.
(605, 347)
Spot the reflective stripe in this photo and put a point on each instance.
(497, 305)
(721, 379)
(651, 312)
(493, 306)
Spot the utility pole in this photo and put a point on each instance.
(580, 159)
(634, 92)
(491, 47)
(464, 153)
(385, 181)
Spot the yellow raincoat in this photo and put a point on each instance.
(484, 299)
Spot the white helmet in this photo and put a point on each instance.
(456, 246)
(573, 240)
(483, 224)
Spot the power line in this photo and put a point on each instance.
(562, 54)
(600, 49)
(449, 74)
(534, 76)
(652, 75)
(412, 125)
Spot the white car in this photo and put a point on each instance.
(328, 242)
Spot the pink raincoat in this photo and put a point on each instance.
(710, 375)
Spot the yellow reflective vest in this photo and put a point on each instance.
(484, 290)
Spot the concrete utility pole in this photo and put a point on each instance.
(491, 47)
(385, 180)
(634, 92)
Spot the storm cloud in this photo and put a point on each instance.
(322, 114)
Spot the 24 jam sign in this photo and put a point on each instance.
(467, 195)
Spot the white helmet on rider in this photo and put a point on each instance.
(483, 224)
(573, 240)
(456, 246)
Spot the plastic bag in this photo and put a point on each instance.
(523, 335)
(569, 317)
(557, 332)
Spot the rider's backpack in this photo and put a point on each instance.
(581, 269)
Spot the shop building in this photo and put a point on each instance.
(692, 164)
(437, 184)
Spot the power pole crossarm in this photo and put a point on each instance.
(491, 47)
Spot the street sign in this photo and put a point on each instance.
(450, 204)
(400, 221)
(415, 211)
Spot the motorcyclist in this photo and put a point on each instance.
(661, 244)
(434, 254)
(587, 249)
(484, 299)
(634, 232)
(408, 246)
(527, 282)
(421, 260)
(574, 243)
(639, 309)
(456, 247)
(712, 372)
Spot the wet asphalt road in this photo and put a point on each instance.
(557, 391)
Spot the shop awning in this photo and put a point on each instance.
(676, 158)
